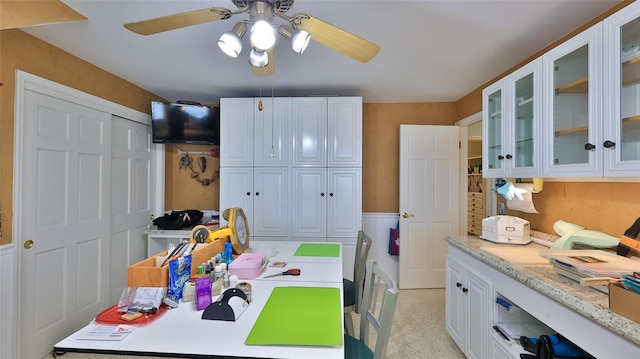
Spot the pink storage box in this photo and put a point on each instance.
(248, 265)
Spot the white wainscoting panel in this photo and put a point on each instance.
(7, 300)
(377, 226)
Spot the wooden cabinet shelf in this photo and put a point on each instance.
(631, 71)
(569, 131)
(631, 119)
(575, 87)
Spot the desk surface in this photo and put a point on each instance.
(182, 332)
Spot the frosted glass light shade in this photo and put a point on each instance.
(258, 58)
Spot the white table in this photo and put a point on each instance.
(182, 333)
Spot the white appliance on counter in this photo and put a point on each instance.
(506, 229)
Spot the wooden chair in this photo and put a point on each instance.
(377, 308)
(352, 290)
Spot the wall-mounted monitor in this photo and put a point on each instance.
(185, 123)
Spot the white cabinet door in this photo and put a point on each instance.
(236, 190)
(512, 124)
(573, 107)
(344, 138)
(494, 130)
(309, 131)
(621, 139)
(478, 297)
(344, 204)
(272, 132)
(468, 318)
(454, 303)
(309, 189)
(525, 119)
(236, 132)
(271, 202)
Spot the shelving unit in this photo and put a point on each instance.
(475, 188)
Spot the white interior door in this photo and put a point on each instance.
(131, 198)
(65, 211)
(429, 202)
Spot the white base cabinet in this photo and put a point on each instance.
(471, 312)
(468, 299)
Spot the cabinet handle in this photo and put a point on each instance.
(608, 144)
(589, 147)
(248, 193)
(509, 157)
(322, 194)
(257, 193)
(500, 157)
(465, 290)
(330, 194)
(458, 284)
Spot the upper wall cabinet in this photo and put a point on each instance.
(254, 137)
(512, 124)
(327, 131)
(573, 106)
(622, 92)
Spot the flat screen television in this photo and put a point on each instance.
(185, 123)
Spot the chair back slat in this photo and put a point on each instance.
(378, 305)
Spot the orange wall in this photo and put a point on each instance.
(20, 51)
(381, 147)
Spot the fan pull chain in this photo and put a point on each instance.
(260, 101)
(273, 122)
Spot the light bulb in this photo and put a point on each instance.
(263, 36)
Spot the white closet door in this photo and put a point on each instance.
(65, 213)
(131, 198)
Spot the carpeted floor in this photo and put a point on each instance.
(418, 329)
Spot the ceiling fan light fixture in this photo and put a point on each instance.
(263, 36)
(299, 39)
(258, 58)
(230, 42)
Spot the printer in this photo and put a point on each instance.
(506, 229)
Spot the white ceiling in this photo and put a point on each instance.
(432, 51)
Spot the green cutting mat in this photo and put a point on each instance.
(318, 250)
(299, 316)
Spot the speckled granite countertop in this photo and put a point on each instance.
(586, 301)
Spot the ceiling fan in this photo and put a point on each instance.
(262, 27)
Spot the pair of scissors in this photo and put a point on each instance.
(292, 271)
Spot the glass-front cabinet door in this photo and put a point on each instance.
(512, 124)
(621, 140)
(572, 102)
(493, 128)
(525, 114)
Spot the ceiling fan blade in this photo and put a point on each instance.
(336, 38)
(15, 14)
(177, 21)
(267, 70)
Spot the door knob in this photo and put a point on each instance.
(406, 215)
(28, 244)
